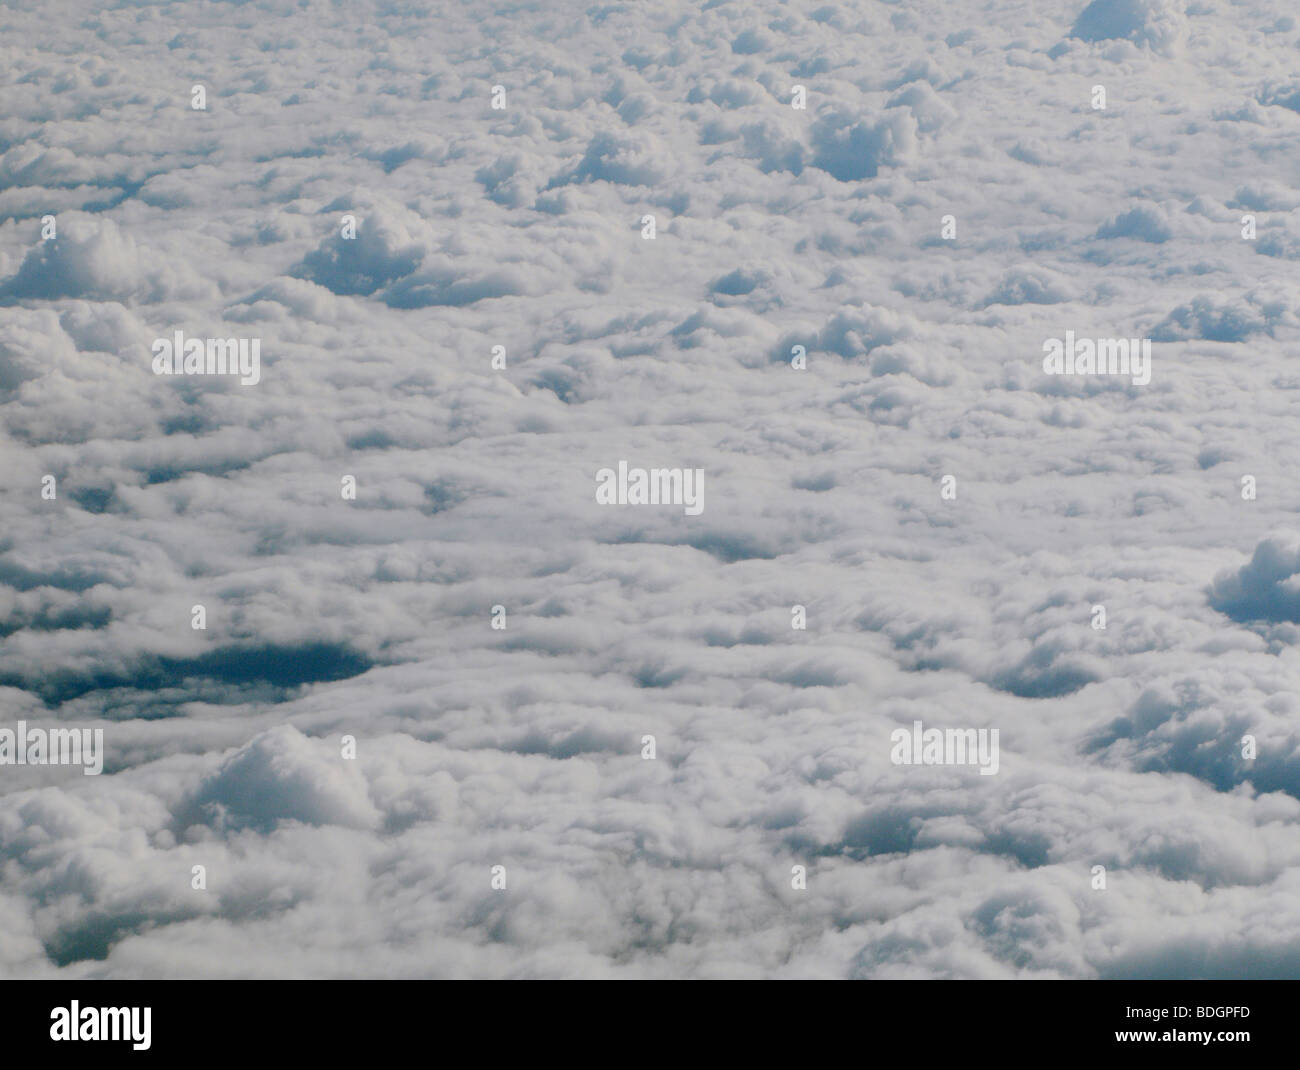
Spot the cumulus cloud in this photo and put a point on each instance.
(93, 259)
(1212, 319)
(1267, 588)
(1160, 24)
(850, 149)
(1142, 223)
(380, 249)
(623, 159)
(282, 776)
(840, 321)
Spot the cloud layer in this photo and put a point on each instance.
(522, 228)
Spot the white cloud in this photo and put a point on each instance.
(521, 228)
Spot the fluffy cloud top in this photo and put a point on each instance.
(947, 517)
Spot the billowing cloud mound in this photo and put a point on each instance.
(381, 249)
(283, 776)
(1161, 24)
(31, 339)
(1267, 588)
(1284, 95)
(91, 258)
(1213, 320)
(851, 149)
(623, 159)
(1143, 223)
